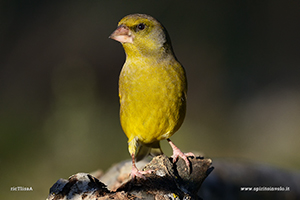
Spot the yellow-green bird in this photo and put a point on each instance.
(152, 88)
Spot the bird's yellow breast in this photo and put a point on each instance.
(152, 98)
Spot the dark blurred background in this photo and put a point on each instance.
(59, 85)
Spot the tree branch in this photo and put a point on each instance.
(169, 181)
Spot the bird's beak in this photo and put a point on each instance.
(122, 34)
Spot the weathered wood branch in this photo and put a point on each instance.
(169, 181)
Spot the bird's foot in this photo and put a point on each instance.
(137, 173)
(178, 153)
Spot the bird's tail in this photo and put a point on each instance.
(152, 150)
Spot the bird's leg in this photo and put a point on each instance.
(135, 172)
(177, 152)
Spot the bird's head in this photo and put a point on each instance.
(142, 35)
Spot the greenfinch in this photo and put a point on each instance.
(152, 88)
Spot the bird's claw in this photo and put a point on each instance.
(137, 173)
(178, 153)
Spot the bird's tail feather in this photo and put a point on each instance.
(153, 150)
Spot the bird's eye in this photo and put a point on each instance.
(141, 26)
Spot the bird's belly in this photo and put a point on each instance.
(151, 115)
